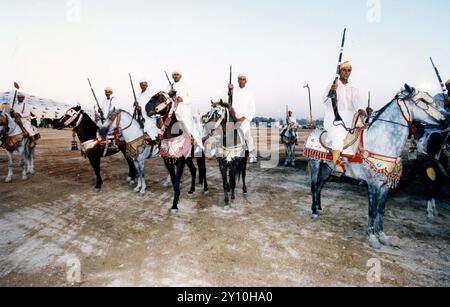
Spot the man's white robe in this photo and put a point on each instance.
(244, 105)
(24, 111)
(184, 114)
(348, 102)
(150, 126)
(107, 106)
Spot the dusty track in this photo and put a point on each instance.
(268, 240)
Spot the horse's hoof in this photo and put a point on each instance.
(314, 217)
(129, 179)
(174, 211)
(385, 240)
(131, 183)
(191, 193)
(24, 178)
(374, 243)
(227, 207)
(31, 172)
(232, 206)
(320, 211)
(137, 190)
(96, 190)
(431, 215)
(8, 180)
(142, 193)
(206, 192)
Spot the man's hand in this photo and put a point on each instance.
(230, 86)
(369, 111)
(362, 112)
(179, 99)
(334, 87)
(447, 102)
(136, 105)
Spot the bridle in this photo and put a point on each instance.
(423, 101)
(167, 102)
(73, 115)
(218, 122)
(116, 116)
(4, 122)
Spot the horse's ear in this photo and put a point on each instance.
(408, 88)
(221, 100)
(212, 103)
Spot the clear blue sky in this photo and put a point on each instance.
(282, 45)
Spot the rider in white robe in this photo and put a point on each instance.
(108, 103)
(184, 112)
(143, 97)
(442, 102)
(245, 107)
(22, 108)
(348, 102)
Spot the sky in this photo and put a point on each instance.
(50, 47)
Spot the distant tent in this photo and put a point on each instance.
(41, 107)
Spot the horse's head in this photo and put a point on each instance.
(216, 114)
(4, 128)
(421, 106)
(71, 117)
(159, 104)
(112, 122)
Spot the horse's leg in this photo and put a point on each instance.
(31, 165)
(383, 193)
(8, 178)
(138, 166)
(201, 162)
(286, 154)
(142, 157)
(131, 167)
(23, 159)
(374, 197)
(177, 192)
(193, 171)
(226, 187)
(233, 180)
(244, 172)
(320, 173)
(293, 156)
(94, 158)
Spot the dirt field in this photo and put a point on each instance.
(54, 221)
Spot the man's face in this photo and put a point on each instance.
(448, 87)
(108, 94)
(290, 114)
(242, 82)
(144, 86)
(346, 73)
(176, 77)
(20, 98)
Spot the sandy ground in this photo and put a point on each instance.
(53, 222)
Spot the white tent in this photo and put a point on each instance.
(41, 107)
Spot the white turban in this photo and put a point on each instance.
(177, 71)
(447, 82)
(143, 80)
(346, 64)
(19, 94)
(242, 75)
(109, 89)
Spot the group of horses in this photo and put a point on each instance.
(385, 136)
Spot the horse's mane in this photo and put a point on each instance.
(406, 93)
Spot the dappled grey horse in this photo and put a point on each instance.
(289, 139)
(382, 145)
(13, 139)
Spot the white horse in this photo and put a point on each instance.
(140, 146)
(377, 155)
(13, 139)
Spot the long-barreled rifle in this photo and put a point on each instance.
(332, 94)
(443, 87)
(100, 111)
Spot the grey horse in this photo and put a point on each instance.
(386, 136)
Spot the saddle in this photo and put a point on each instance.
(177, 147)
(318, 148)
